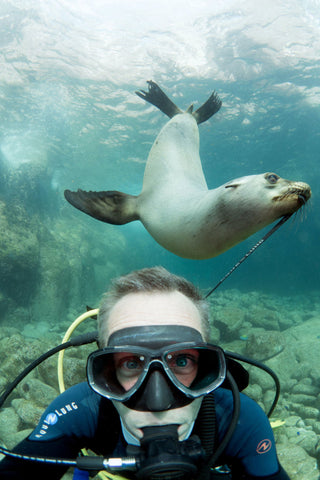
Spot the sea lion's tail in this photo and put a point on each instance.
(209, 108)
(111, 207)
(159, 99)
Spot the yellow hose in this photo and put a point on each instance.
(68, 334)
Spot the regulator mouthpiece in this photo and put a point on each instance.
(162, 457)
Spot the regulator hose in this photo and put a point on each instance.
(208, 427)
(233, 423)
(66, 338)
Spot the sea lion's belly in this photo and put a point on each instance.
(174, 157)
(200, 224)
(184, 225)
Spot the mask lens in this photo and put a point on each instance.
(183, 365)
(200, 369)
(115, 373)
(129, 367)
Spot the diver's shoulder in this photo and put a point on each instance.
(80, 392)
(224, 396)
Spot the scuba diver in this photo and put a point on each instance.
(156, 392)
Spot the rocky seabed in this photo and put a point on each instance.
(282, 332)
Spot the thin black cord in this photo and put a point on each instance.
(263, 239)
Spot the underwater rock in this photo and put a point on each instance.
(17, 437)
(292, 420)
(315, 424)
(21, 352)
(74, 370)
(3, 304)
(297, 463)
(228, 322)
(40, 330)
(286, 366)
(9, 423)
(303, 399)
(15, 354)
(17, 314)
(264, 317)
(30, 185)
(3, 381)
(255, 391)
(19, 254)
(57, 280)
(306, 388)
(37, 392)
(70, 277)
(305, 348)
(27, 411)
(260, 378)
(264, 345)
(214, 334)
(303, 436)
(47, 261)
(268, 398)
(304, 410)
(48, 373)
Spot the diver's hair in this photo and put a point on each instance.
(155, 279)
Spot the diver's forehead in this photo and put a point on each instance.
(153, 308)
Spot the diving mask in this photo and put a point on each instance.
(189, 369)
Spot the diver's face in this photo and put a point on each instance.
(156, 308)
(145, 309)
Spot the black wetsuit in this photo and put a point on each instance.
(80, 418)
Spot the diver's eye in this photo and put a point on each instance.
(272, 178)
(129, 365)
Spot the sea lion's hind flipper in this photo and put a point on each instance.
(110, 207)
(209, 108)
(159, 99)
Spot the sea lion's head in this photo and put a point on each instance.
(269, 193)
(288, 196)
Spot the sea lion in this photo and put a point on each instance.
(175, 204)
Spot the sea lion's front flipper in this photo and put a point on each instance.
(110, 207)
(159, 99)
(209, 108)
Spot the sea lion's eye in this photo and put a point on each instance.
(272, 178)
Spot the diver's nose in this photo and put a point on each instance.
(157, 394)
